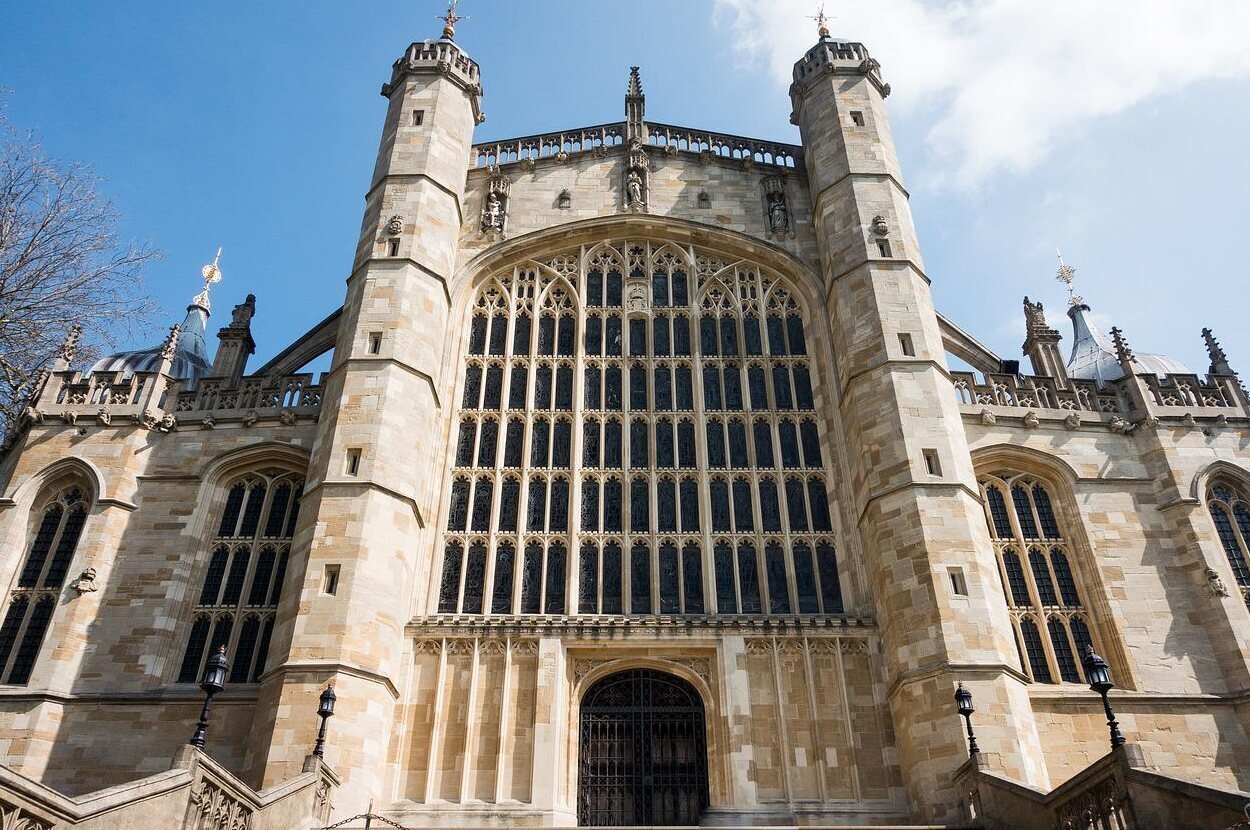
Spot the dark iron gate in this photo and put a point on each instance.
(642, 751)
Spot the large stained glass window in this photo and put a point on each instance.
(638, 434)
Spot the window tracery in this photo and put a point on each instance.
(238, 598)
(696, 435)
(57, 520)
(1039, 581)
(1230, 511)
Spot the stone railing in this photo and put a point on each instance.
(1029, 392)
(1117, 792)
(296, 394)
(195, 794)
(665, 137)
(1139, 396)
(439, 51)
(548, 145)
(719, 145)
(156, 401)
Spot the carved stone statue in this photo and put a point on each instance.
(778, 213)
(85, 583)
(633, 189)
(1217, 584)
(395, 225)
(492, 213)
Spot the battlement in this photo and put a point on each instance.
(445, 58)
(834, 57)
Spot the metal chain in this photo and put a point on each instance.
(383, 819)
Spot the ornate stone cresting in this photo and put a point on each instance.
(444, 57)
(634, 182)
(1041, 344)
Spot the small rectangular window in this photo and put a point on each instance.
(904, 342)
(883, 247)
(931, 462)
(353, 462)
(393, 248)
(418, 117)
(375, 342)
(330, 583)
(959, 585)
(857, 118)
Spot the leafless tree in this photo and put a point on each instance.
(62, 264)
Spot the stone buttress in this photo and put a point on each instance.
(917, 505)
(373, 481)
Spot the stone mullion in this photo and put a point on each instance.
(701, 472)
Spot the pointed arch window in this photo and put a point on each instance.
(244, 571)
(58, 520)
(1230, 512)
(642, 448)
(1039, 576)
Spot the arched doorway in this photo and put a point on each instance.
(642, 751)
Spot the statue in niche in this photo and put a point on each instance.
(633, 190)
(492, 213)
(778, 213)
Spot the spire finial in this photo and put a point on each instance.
(635, 83)
(822, 21)
(451, 19)
(1219, 360)
(69, 349)
(1066, 274)
(1122, 351)
(170, 346)
(211, 274)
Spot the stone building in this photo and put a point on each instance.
(640, 491)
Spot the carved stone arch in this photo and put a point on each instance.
(586, 672)
(218, 471)
(607, 247)
(659, 249)
(1214, 471)
(715, 284)
(63, 470)
(1050, 468)
(558, 281)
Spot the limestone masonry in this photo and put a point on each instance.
(640, 491)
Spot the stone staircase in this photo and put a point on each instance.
(196, 793)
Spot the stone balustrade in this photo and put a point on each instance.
(156, 401)
(1032, 392)
(665, 137)
(547, 145)
(1117, 791)
(1163, 396)
(196, 793)
(684, 139)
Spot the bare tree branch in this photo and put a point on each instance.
(61, 264)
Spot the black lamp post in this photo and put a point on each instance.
(214, 681)
(1099, 676)
(963, 701)
(325, 711)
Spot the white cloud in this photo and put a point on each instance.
(997, 85)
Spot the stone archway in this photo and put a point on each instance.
(642, 757)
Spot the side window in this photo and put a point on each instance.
(57, 523)
(243, 574)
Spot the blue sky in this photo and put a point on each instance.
(1118, 134)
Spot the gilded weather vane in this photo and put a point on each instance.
(1066, 274)
(211, 274)
(451, 19)
(822, 21)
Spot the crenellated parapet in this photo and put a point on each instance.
(445, 58)
(833, 57)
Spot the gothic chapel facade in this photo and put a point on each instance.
(640, 491)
